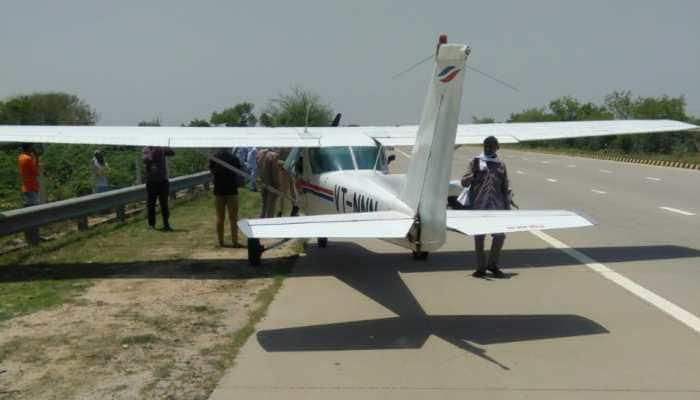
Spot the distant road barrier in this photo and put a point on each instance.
(26, 219)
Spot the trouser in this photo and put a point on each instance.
(157, 190)
(31, 199)
(223, 203)
(269, 203)
(497, 240)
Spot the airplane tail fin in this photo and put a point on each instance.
(429, 170)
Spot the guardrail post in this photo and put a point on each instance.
(82, 223)
(121, 213)
(32, 236)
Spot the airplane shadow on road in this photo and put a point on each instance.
(380, 280)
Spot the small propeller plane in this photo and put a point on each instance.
(345, 190)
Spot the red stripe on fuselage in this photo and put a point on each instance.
(304, 184)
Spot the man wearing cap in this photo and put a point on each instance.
(489, 189)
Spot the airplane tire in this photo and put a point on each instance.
(322, 242)
(420, 255)
(255, 250)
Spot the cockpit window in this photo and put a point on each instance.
(366, 156)
(327, 159)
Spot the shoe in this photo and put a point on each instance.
(479, 273)
(497, 273)
(168, 228)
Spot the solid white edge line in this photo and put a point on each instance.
(683, 316)
(677, 211)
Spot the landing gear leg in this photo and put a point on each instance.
(255, 250)
(322, 242)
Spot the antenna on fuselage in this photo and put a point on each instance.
(306, 123)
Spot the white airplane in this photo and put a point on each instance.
(345, 191)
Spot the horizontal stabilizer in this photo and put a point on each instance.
(482, 222)
(380, 224)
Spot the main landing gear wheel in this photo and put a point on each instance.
(322, 242)
(255, 250)
(420, 255)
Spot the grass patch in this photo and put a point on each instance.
(18, 298)
(139, 339)
(692, 158)
(25, 290)
(203, 309)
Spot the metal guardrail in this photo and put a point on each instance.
(28, 218)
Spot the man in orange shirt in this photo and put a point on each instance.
(28, 162)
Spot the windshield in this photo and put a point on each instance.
(366, 156)
(327, 159)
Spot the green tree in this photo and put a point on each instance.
(483, 120)
(51, 108)
(199, 123)
(298, 108)
(265, 120)
(239, 115)
(153, 122)
(535, 114)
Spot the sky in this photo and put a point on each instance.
(179, 60)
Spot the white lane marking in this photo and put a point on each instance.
(551, 180)
(544, 162)
(685, 317)
(598, 191)
(402, 153)
(571, 166)
(677, 211)
(605, 171)
(526, 159)
(651, 178)
(520, 172)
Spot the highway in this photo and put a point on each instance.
(606, 312)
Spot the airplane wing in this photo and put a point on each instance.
(195, 137)
(478, 222)
(525, 131)
(379, 224)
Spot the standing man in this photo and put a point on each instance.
(28, 162)
(99, 172)
(269, 173)
(489, 189)
(157, 184)
(225, 194)
(252, 164)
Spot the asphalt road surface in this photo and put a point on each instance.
(604, 312)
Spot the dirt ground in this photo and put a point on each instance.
(156, 330)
